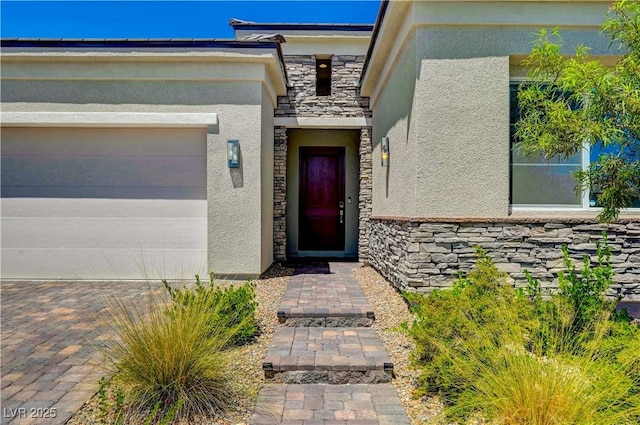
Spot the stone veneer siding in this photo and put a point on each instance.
(345, 99)
(301, 101)
(425, 254)
(280, 194)
(365, 197)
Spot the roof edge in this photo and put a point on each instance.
(138, 42)
(273, 42)
(239, 24)
(374, 38)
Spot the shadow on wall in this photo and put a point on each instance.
(395, 107)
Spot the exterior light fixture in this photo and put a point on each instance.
(233, 153)
(322, 65)
(384, 152)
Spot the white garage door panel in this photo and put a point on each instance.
(103, 203)
(108, 233)
(69, 207)
(52, 171)
(129, 264)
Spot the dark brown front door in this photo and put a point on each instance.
(321, 199)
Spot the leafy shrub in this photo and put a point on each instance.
(233, 306)
(586, 290)
(170, 357)
(513, 357)
(449, 323)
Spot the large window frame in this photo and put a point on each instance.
(585, 161)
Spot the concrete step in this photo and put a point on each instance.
(339, 355)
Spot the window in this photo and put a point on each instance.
(323, 77)
(537, 182)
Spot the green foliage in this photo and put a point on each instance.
(169, 353)
(586, 290)
(236, 302)
(515, 357)
(448, 323)
(155, 416)
(578, 100)
(110, 402)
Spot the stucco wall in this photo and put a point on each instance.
(350, 140)
(476, 42)
(234, 196)
(394, 187)
(462, 136)
(266, 181)
(438, 81)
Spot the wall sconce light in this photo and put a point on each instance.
(384, 152)
(233, 153)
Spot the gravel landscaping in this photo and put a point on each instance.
(390, 310)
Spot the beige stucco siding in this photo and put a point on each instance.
(438, 80)
(448, 126)
(394, 187)
(235, 194)
(563, 13)
(266, 182)
(477, 42)
(158, 96)
(462, 132)
(307, 137)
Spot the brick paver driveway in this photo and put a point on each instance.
(51, 334)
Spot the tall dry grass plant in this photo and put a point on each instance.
(516, 384)
(166, 353)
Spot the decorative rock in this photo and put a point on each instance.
(541, 232)
(552, 240)
(509, 267)
(432, 247)
(518, 231)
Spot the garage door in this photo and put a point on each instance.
(103, 203)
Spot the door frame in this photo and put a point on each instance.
(286, 231)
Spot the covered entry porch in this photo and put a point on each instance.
(322, 192)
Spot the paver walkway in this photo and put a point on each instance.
(321, 296)
(51, 333)
(330, 373)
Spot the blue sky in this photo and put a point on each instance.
(149, 19)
